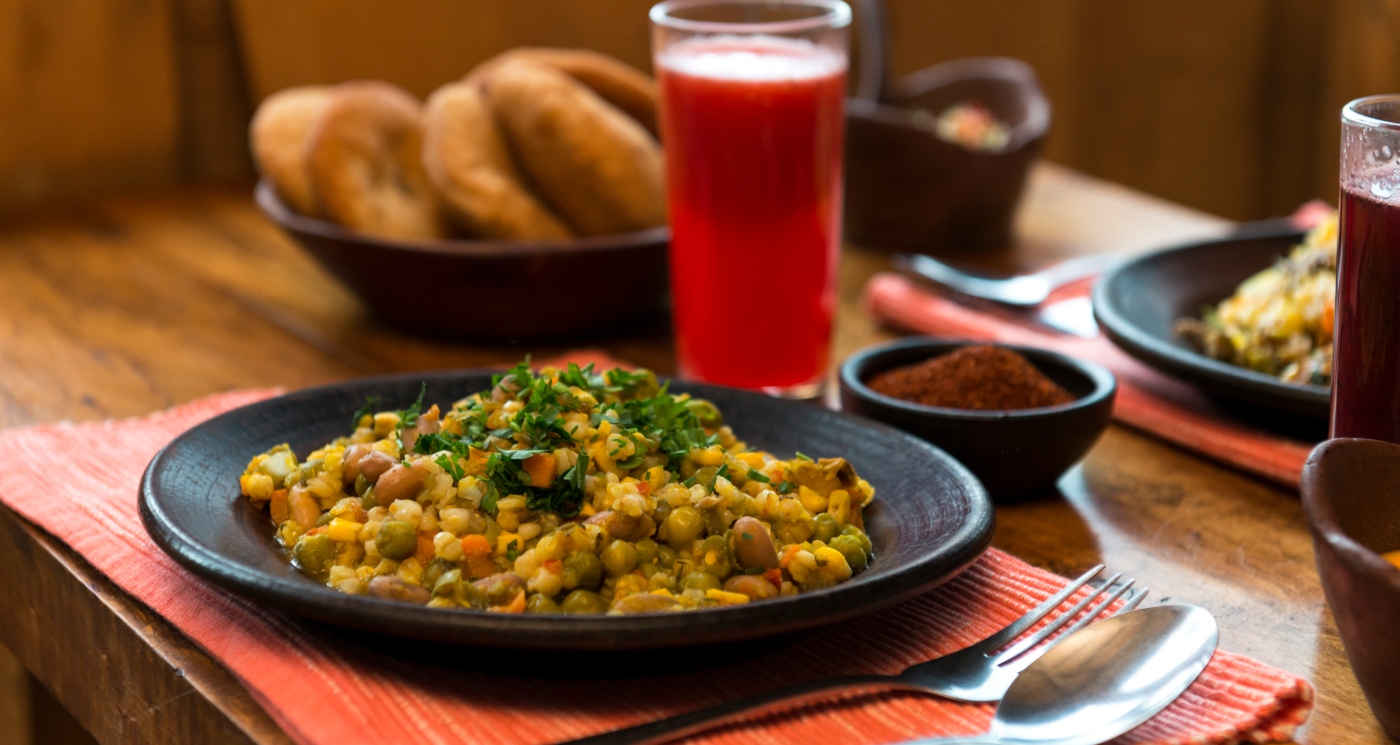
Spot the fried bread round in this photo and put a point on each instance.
(279, 134)
(366, 163)
(598, 167)
(620, 84)
(467, 159)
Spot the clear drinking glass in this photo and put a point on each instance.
(1366, 349)
(752, 119)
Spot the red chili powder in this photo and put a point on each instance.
(977, 377)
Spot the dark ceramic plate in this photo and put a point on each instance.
(1137, 303)
(518, 289)
(931, 518)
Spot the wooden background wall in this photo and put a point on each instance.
(1227, 106)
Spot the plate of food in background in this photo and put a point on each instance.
(527, 185)
(1248, 320)
(561, 509)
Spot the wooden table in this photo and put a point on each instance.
(121, 307)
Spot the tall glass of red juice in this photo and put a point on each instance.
(752, 121)
(1366, 348)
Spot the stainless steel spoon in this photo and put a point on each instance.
(1103, 680)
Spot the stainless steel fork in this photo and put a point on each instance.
(981, 672)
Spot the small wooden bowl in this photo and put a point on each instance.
(907, 189)
(492, 290)
(1013, 453)
(1351, 492)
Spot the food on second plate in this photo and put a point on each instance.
(618, 84)
(280, 133)
(564, 491)
(565, 149)
(467, 159)
(982, 377)
(366, 163)
(1280, 320)
(597, 166)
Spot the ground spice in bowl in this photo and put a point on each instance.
(984, 378)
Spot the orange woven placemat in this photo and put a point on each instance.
(79, 482)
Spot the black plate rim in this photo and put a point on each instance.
(1214, 376)
(643, 631)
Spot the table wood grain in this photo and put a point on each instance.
(120, 307)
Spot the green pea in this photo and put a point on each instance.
(324, 519)
(706, 476)
(683, 526)
(827, 528)
(396, 540)
(864, 539)
(619, 558)
(582, 569)
(435, 569)
(493, 531)
(850, 548)
(713, 556)
(314, 555)
(582, 602)
(538, 603)
(662, 511)
(447, 583)
(368, 501)
(701, 581)
(646, 551)
(362, 485)
(706, 412)
(666, 557)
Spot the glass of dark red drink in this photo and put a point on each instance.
(752, 120)
(1366, 350)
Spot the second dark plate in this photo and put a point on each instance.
(1137, 303)
(931, 518)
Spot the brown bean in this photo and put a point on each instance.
(399, 482)
(753, 547)
(426, 423)
(624, 527)
(393, 588)
(353, 455)
(644, 602)
(304, 508)
(757, 588)
(376, 464)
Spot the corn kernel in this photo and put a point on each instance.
(341, 530)
(504, 541)
(727, 598)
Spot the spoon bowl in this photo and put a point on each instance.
(1104, 680)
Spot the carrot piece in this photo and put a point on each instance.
(281, 512)
(541, 469)
(775, 576)
(475, 546)
(425, 551)
(516, 605)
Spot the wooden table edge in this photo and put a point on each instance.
(175, 666)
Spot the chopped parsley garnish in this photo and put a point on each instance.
(408, 417)
(366, 409)
(785, 487)
(754, 475)
(512, 551)
(804, 456)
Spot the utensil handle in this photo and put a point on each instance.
(753, 706)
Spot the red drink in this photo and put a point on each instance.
(753, 128)
(1366, 353)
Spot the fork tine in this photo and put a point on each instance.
(1026, 659)
(1060, 620)
(1133, 602)
(1017, 627)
